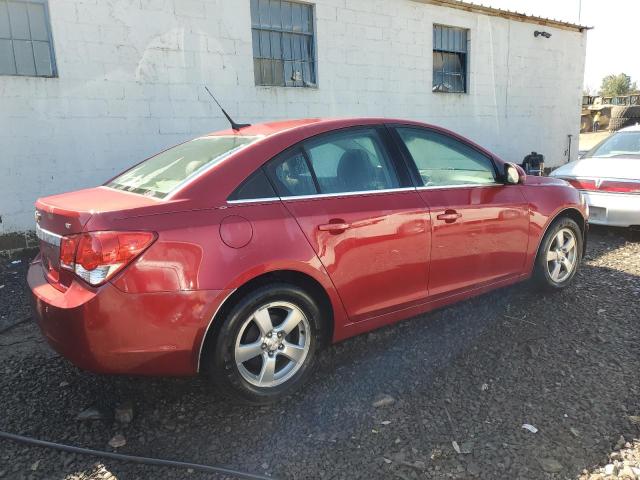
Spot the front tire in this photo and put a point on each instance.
(559, 255)
(266, 348)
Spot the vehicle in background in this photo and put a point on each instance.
(241, 253)
(609, 178)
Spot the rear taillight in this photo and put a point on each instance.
(620, 186)
(97, 256)
(582, 184)
(613, 186)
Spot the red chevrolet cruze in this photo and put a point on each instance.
(242, 252)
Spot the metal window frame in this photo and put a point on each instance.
(314, 53)
(465, 59)
(52, 55)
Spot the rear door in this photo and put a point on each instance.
(479, 225)
(355, 203)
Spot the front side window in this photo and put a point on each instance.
(164, 173)
(444, 161)
(26, 48)
(351, 161)
(283, 43)
(449, 59)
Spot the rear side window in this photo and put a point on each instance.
(255, 187)
(166, 172)
(351, 161)
(444, 161)
(291, 176)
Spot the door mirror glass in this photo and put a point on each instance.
(511, 174)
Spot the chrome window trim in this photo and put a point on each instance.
(47, 236)
(323, 195)
(254, 200)
(467, 185)
(204, 337)
(348, 194)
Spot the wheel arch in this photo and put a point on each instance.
(294, 277)
(572, 213)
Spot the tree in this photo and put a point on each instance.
(614, 85)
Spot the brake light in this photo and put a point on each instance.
(97, 256)
(68, 246)
(613, 186)
(620, 186)
(582, 184)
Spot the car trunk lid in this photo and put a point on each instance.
(625, 168)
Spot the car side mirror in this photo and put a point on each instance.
(511, 174)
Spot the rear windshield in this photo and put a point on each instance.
(618, 145)
(166, 172)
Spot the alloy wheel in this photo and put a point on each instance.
(562, 255)
(272, 344)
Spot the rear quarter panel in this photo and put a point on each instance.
(190, 253)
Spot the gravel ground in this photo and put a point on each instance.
(443, 395)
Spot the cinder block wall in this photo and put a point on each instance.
(131, 76)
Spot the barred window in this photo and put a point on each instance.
(283, 43)
(25, 39)
(449, 59)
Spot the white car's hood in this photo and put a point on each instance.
(603, 167)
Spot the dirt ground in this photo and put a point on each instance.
(460, 384)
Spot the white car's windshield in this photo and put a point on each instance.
(618, 144)
(166, 172)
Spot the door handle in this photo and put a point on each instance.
(449, 216)
(334, 226)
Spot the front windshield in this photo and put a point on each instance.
(162, 174)
(618, 144)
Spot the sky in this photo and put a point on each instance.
(612, 44)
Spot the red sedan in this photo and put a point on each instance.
(241, 253)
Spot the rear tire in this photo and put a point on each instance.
(266, 348)
(559, 255)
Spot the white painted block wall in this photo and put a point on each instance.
(131, 74)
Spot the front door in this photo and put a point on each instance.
(479, 225)
(368, 226)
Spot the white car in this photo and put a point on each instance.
(609, 178)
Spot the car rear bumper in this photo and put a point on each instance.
(105, 330)
(613, 209)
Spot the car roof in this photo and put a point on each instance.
(272, 128)
(277, 137)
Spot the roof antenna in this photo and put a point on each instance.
(234, 126)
